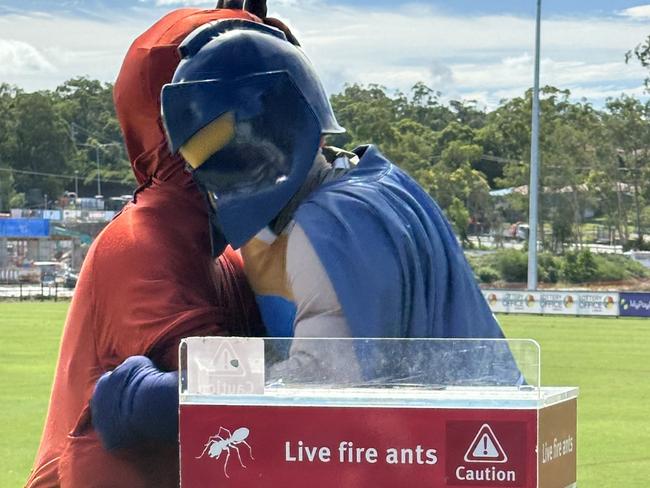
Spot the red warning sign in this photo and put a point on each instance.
(485, 448)
(322, 447)
(491, 453)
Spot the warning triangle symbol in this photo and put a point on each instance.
(226, 362)
(485, 448)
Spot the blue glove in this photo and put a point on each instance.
(135, 403)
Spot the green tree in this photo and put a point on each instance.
(87, 108)
(467, 113)
(423, 106)
(642, 54)
(434, 143)
(9, 198)
(39, 144)
(394, 124)
(413, 147)
(628, 125)
(60, 132)
(570, 155)
(460, 190)
(368, 114)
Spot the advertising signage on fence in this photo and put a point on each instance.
(52, 214)
(508, 301)
(635, 304)
(553, 302)
(605, 304)
(24, 228)
(24, 213)
(559, 302)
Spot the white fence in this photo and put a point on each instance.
(65, 215)
(553, 302)
(35, 292)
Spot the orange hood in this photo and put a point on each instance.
(149, 64)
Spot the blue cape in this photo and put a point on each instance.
(395, 263)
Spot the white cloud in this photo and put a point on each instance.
(638, 12)
(516, 72)
(483, 57)
(603, 92)
(477, 57)
(491, 83)
(66, 47)
(21, 58)
(442, 76)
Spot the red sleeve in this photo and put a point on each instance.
(156, 283)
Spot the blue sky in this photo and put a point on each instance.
(471, 49)
(472, 7)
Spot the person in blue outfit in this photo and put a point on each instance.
(334, 244)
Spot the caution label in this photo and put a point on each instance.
(485, 448)
(226, 362)
(486, 454)
(231, 365)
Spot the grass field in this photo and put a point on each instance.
(608, 359)
(30, 334)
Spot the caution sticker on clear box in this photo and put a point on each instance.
(225, 366)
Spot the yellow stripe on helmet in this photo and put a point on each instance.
(209, 140)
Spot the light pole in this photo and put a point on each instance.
(97, 147)
(533, 187)
(99, 177)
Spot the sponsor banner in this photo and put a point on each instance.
(52, 214)
(634, 304)
(89, 215)
(296, 446)
(508, 301)
(71, 214)
(559, 302)
(26, 213)
(604, 304)
(98, 215)
(64, 215)
(24, 228)
(554, 302)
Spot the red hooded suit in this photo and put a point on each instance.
(148, 281)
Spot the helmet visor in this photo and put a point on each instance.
(273, 145)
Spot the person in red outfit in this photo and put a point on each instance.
(149, 280)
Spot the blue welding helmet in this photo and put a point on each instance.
(247, 111)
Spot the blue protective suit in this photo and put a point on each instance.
(399, 271)
(392, 257)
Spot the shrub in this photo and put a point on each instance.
(549, 268)
(512, 265)
(487, 274)
(573, 267)
(609, 270)
(614, 267)
(579, 266)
